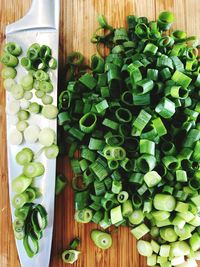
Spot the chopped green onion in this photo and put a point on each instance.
(164, 202)
(20, 183)
(139, 144)
(13, 48)
(27, 82)
(9, 60)
(70, 256)
(83, 216)
(140, 231)
(8, 72)
(24, 156)
(50, 111)
(17, 91)
(33, 169)
(144, 248)
(31, 134)
(116, 214)
(51, 152)
(101, 239)
(136, 217)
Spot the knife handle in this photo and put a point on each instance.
(42, 14)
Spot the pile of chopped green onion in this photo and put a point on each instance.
(134, 117)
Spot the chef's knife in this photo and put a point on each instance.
(39, 25)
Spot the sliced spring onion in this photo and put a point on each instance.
(46, 87)
(31, 134)
(23, 114)
(60, 183)
(70, 256)
(15, 137)
(46, 136)
(140, 231)
(13, 48)
(101, 239)
(136, 217)
(22, 125)
(144, 248)
(20, 183)
(8, 73)
(164, 202)
(17, 91)
(139, 144)
(34, 107)
(31, 245)
(8, 83)
(83, 216)
(168, 234)
(51, 152)
(27, 82)
(33, 169)
(9, 60)
(180, 248)
(28, 95)
(19, 200)
(88, 122)
(152, 178)
(50, 111)
(47, 99)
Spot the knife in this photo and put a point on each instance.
(39, 25)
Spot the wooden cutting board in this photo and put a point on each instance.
(78, 22)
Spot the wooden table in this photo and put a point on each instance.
(78, 22)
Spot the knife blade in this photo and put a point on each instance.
(39, 25)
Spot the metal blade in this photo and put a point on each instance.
(40, 25)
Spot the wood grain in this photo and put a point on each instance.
(78, 21)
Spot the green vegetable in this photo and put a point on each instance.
(17, 91)
(21, 125)
(164, 202)
(31, 219)
(83, 216)
(8, 72)
(31, 134)
(8, 83)
(50, 111)
(139, 143)
(101, 239)
(51, 152)
(15, 137)
(20, 184)
(28, 95)
(60, 183)
(47, 99)
(9, 60)
(144, 248)
(34, 107)
(19, 200)
(13, 48)
(33, 169)
(70, 256)
(140, 231)
(24, 156)
(27, 82)
(47, 136)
